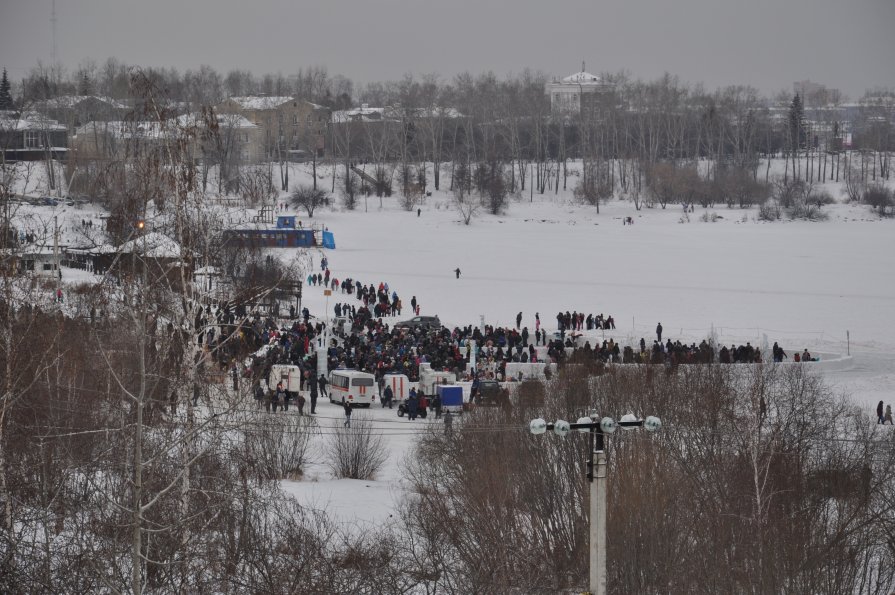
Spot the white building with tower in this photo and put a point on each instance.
(576, 92)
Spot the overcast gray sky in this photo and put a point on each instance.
(848, 44)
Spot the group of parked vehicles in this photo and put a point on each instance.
(361, 389)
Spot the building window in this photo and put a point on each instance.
(308, 120)
(295, 119)
(32, 139)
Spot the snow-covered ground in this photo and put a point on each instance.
(804, 284)
(826, 286)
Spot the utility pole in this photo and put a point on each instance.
(596, 475)
(57, 272)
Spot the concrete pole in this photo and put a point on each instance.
(597, 554)
(58, 272)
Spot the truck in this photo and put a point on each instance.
(451, 397)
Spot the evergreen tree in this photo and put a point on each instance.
(796, 131)
(5, 95)
(796, 121)
(85, 87)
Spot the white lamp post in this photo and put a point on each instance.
(598, 429)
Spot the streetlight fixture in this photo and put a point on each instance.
(597, 428)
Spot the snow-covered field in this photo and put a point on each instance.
(803, 284)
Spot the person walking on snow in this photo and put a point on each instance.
(659, 332)
(518, 320)
(457, 271)
(322, 383)
(888, 417)
(448, 423)
(879, 414)
(347, 406)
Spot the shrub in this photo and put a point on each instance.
(770, 211)
(879, 197)
(822, 197)
(357, 452)
(277, 447)
(810, 211)
(595, 186)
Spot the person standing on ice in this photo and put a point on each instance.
(518, 320)
(879, 414)
(457, 271)
(313, 386)
(659, 332)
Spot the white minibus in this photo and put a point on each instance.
(351, 386)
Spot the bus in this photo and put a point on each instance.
(357, 388)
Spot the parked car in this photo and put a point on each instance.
(48, 201)
(423, 322)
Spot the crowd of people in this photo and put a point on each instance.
(577, 321)
(372, 345)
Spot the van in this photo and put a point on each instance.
(352, 386)
(290, 376)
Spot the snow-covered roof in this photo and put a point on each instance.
(123, 129)
(359, 114)
(151, 245)
(69, 101)
(103, 249)
(378, 114)
(434, 111)
(582, 78)
(260, 102)
(10, 121)
(228, 120)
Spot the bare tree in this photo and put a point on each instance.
(307, 198)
